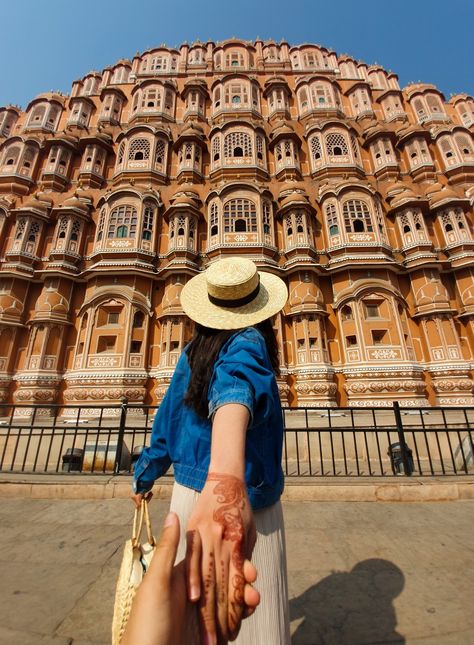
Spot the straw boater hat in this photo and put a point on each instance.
(232, 294)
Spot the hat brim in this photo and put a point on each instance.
(270, 299)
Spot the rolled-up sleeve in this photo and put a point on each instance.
(239, 372)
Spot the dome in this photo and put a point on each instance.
(10, 306)
(294, 198)
(52, 303)
(444, 196)
(171, 298)
(305, 295)
(433, 188)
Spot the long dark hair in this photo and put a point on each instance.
(202, 355)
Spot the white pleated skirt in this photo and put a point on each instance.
(270, 624)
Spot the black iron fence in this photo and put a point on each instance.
(319, 442)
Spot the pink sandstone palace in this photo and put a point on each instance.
(318, 167)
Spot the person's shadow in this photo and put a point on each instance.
(350, 608)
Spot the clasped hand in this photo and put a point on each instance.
(220, 536)
(161, 612)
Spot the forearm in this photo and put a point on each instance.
(229, 430)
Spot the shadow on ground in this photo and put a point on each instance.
(350, 608)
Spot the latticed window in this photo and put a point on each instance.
(331, 219)
(316, 150)
(29, 156)
(303, 97)
(380, 220)
(461, 222)
(33, 232)
(101, 225)
(418, 220)
(255, 97)
(259, 148)
(120, 75)
(62, 228)
(11, 156)
(214, 220)
(192, 228)
(240, 215)
(123, 222)
(20, 228)
(311, 59)
(37, 115)
(355, 147)
(75, 230)
(216, 148)
(336, 145)
(121, 153)
(419, 109)
(237, 144)
(405, 223)
(418, 152)
(160, 154)
(448, 150)
(464, 143)
(267, 226)
(148, 218)
(89, 86)
(382, 152)
(360, 101)
(434, 104)
(169, 101)
(357, 216)
(139, 150)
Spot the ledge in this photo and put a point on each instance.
(301, 489)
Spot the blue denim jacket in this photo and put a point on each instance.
(242, 374)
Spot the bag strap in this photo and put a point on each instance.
(140, 515)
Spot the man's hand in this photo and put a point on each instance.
(220, 535)
(161, 613)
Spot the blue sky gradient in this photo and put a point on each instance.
(46, 44)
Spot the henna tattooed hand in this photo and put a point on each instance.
(222, 522)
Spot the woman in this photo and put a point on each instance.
(220, 425)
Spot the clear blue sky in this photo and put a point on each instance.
(46, 44)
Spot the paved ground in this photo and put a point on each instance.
(360, 573)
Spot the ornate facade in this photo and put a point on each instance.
(317, 166)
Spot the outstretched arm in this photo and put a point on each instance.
(224, 520)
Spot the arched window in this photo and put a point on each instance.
(138, 319)
(240, 215)
(346, 313)
(357, 218)
(123, 222)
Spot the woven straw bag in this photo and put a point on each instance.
(135, 561)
